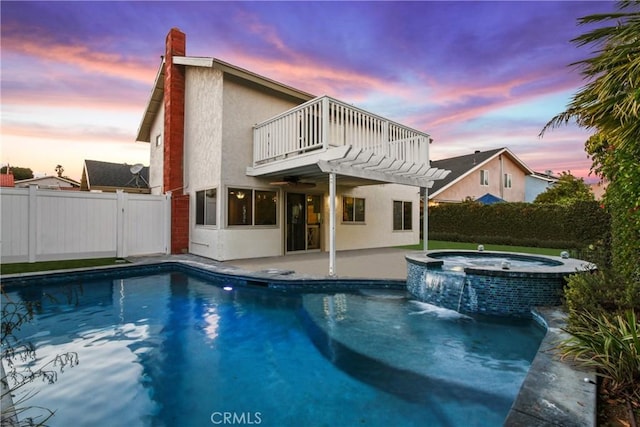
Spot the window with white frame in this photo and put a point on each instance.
(251, 207)
(507, 180)
(484, 177)
(353, 209)
(402, 215)
(206, 204)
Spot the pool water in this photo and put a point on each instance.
(453, 261)
(175, 350)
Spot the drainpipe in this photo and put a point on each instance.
(501, 177)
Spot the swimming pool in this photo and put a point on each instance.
(174, 349)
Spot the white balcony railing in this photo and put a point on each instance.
(324, 122)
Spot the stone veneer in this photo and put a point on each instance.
(492, 290)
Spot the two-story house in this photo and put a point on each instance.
(486, 176)
(257, 168)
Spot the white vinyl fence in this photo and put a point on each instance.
(48, 225)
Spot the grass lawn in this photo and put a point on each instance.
(26, 267)
(29, 267)
(438, 244)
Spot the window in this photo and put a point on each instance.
(266, 207)
(507, 180)
(158, 140)
(206, 202)
(484, 177)
(352, 209)
(402, 215)
(242, 203)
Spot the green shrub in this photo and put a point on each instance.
(597, 292)
(611, 346)
(579, 226)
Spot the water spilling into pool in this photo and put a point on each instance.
(171, 349)
(492, 283)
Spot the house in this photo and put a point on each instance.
(50, 183)
(599, 189)
(109, 177)
(257, 168)
(537, 183)
(487, 176)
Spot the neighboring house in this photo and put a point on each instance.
(7, 180)
(598, 189)
(489, 176)
(50, 183)
(257, 168)
(537, 183)
(109, 177)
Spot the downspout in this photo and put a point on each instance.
(501, 177)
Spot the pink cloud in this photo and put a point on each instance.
(79, 55)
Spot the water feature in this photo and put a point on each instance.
(492, 283)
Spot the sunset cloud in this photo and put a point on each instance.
(474, 75)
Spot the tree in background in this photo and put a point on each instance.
(18, 172)
(567, 191)
(59, 170)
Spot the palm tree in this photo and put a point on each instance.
(610, 104)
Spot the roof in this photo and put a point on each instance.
(489, 199)
(157, 94)
(462, 166)
(548, 177)
(62, 179)
(6, 180)
(113, 175)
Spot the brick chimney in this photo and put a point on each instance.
(173, 168)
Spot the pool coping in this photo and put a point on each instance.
(561, 266)
(554, 392)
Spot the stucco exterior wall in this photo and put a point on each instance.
(469, 186)
(219, 119)
(377, 230)
(156, 154)
(202, 129)
(243, 107)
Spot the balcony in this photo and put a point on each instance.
(336, 137)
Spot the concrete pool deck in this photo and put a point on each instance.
(554, 393)
(379, 263)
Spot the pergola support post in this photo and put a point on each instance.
(332, 224)
(425, 219)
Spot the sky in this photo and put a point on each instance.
(76, 76)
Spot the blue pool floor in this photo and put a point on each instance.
(170, 349)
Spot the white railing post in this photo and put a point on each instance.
(385, 138)
(325, 123)
(424, 149)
